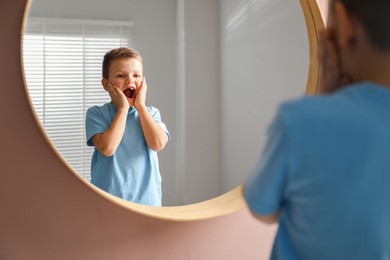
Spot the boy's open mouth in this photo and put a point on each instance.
(129, 92)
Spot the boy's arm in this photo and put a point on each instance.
(267, 219)
(155, 136)
(108, 141)
(266, 190)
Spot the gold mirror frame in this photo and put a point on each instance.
(226, 203)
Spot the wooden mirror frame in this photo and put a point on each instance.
(231, 201)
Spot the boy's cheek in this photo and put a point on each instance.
(117, 83)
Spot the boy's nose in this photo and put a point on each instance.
(130, 79)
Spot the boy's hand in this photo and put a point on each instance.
(117, 97)
(140, 98)
(331, 77)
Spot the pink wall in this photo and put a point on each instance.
(324, 7)
(47, 213)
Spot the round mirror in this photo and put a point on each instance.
(216, 70)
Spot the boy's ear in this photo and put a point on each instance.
(104, 83)
(346, 26)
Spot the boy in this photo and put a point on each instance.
(126, 133)
(325, 171)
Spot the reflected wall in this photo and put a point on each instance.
(265, 61)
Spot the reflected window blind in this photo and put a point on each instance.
(62, 62)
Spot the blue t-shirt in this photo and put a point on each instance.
(326, 167)
(132, 173)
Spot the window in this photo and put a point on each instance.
(62, 63)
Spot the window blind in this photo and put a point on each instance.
(62, 62)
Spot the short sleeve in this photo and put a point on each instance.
(157, 118)
(265, 188)
(95, 123)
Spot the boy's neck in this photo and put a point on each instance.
(376, 69)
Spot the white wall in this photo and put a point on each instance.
(201, 178)
(265, 60)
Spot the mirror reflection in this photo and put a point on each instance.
(216, 70)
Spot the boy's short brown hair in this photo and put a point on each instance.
(118, 53)
(374, 15)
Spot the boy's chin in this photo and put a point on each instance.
(131, 102)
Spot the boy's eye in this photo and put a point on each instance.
(119, 76)
(137, 76)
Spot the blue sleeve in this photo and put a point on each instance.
(95, 123)
(157, 117)
(266, 187)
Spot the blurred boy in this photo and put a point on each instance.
(325, 172)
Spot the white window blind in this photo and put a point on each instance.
(62, 63)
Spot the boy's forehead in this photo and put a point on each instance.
(124, 63)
